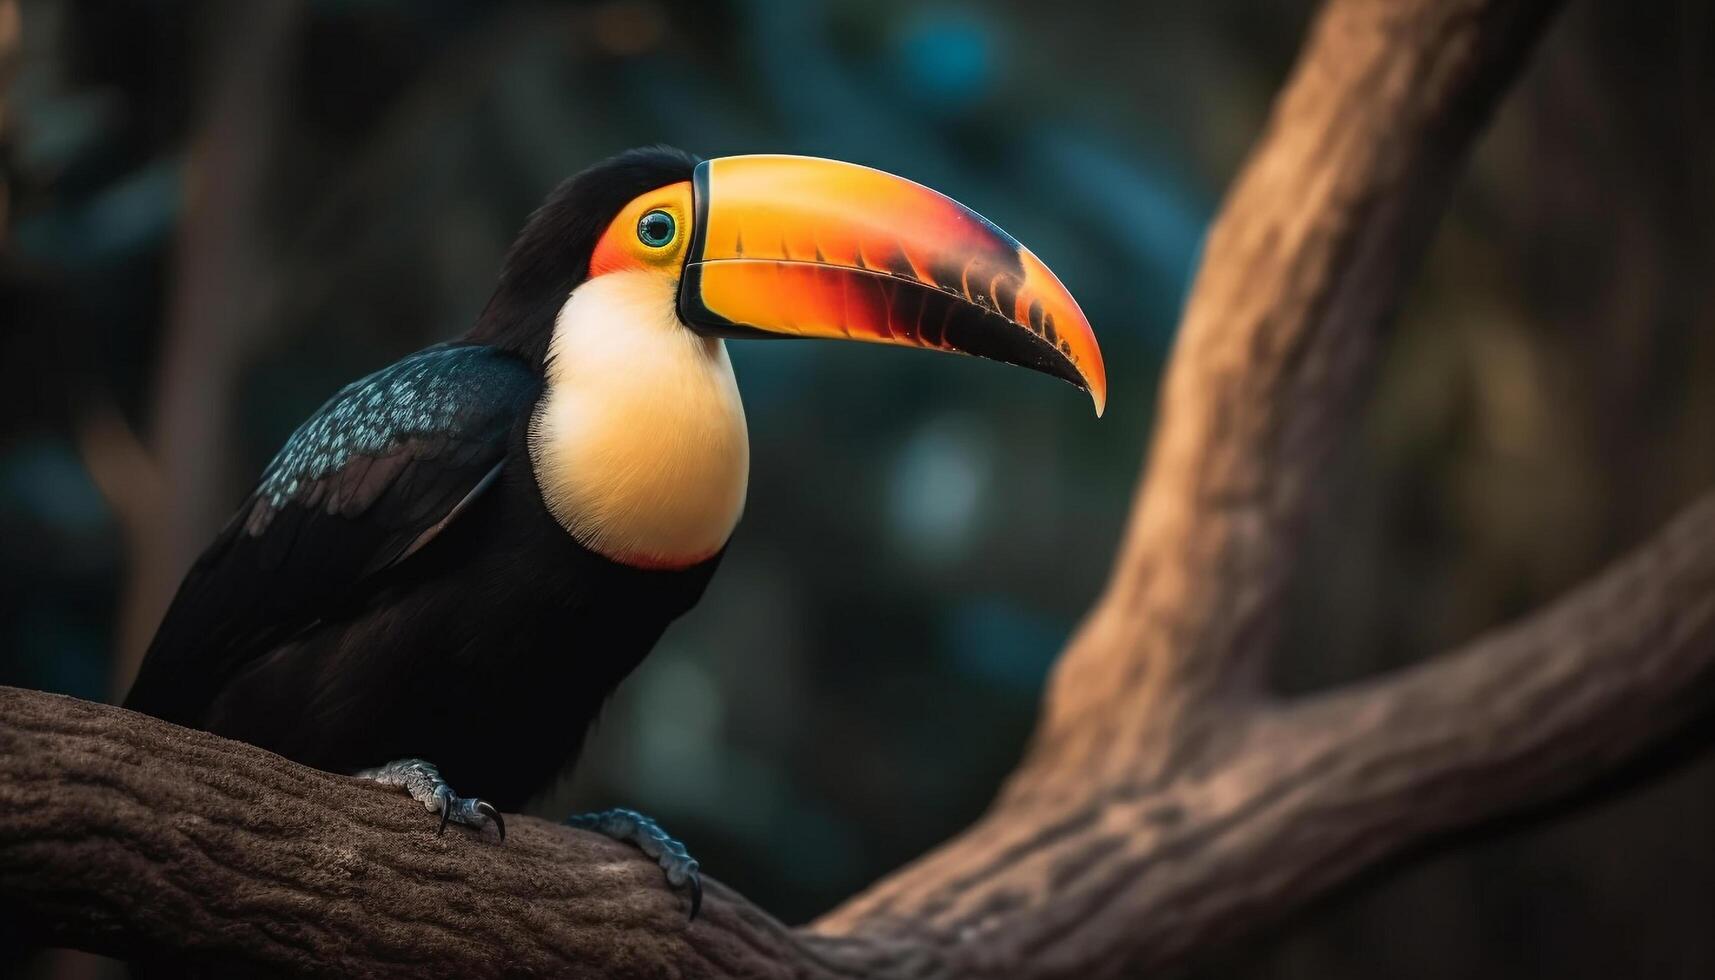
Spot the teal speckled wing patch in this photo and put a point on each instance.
(372, 477)
(451, 399)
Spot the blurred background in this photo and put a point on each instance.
(215, 214)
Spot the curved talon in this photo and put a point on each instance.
(696, 883)
(487, 809)
(423, 781)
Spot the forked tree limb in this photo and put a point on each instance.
(1299, 796)
(1166, 802)
(124, 834)
(1300, 275)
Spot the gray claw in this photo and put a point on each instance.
(487, 809)
(423, 781)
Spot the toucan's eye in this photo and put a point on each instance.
(656, 229)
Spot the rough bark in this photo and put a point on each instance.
(1166, 801)
(124, 834)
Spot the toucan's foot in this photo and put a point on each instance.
(635, 828)
(423, 781)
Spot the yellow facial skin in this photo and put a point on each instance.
(620, 249)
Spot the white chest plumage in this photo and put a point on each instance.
(639, 443)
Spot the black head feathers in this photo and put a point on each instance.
(551, 256)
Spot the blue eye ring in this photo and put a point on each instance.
(656, 229)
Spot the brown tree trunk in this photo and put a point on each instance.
(172, 496)
(1167, 802)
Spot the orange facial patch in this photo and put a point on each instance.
(623, 246)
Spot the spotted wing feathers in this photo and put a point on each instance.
(453, 401)
(368, 480)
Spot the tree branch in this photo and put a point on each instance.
(153, 838)
(1301, 273)
(1165, 802)
(1296, 798)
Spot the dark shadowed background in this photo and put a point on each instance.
(215, 214)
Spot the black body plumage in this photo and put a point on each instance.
(395, 586)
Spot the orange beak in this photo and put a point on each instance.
(789, 246)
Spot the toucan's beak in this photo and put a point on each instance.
(790, 246)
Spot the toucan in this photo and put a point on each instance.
(449, 567)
